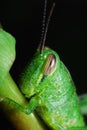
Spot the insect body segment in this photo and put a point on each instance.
(41, 66)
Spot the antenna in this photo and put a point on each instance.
(44, 20)
(44, 30)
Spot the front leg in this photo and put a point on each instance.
(29, 108)
(33, 103)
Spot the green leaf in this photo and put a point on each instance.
(7, 53)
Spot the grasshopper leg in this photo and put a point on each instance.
(29, 108)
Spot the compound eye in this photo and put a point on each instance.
(49, 64)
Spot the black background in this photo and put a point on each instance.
(67, 34)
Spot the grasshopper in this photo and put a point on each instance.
(48, 85)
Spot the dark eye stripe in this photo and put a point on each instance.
(44, 76)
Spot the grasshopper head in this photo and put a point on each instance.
(37, 71)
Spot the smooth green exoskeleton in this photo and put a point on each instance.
(49, 86)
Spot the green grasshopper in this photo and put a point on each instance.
(48, 85)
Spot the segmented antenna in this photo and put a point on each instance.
(44, 30)
(43, 24)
